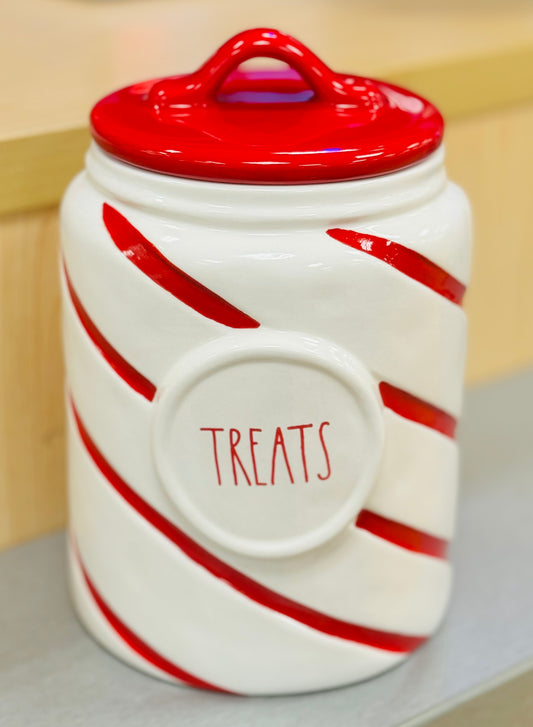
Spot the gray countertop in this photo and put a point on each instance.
(475, 671)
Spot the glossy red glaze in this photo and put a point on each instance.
(253, 590)
(125, 370)
(417, 410)
(142, 253)
(402, 535)
(218, 124)
(136, 644)
(407, 261)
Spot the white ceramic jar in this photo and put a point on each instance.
(264, 380)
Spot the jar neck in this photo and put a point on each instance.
(269, 205)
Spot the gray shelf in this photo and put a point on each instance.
(477, 670)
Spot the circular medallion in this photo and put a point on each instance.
(268, 442)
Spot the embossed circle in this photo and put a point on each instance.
(268, 442)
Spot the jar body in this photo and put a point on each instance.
(234, 354)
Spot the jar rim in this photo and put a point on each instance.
(270, 204)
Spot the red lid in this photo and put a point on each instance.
(304, 125)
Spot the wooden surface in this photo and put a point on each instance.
(491, 157)
(59, 56)
(32, 498)
(475, 59)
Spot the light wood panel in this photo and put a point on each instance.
(31, 411)
(491, 156)
(35, 170)
(57, 57)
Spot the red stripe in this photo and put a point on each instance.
(417, 410)
(153, 263)
(137, 644)
(247, 586)
(402, 535)
(125, 370)
(407, 261)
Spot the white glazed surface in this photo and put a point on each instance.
(266, 251)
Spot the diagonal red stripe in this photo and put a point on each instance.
(119, 364)
(317, 620)
(156, 266)
(417, 410)
(407, 261)
(402, 535)
(134, 641)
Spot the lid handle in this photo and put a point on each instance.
(203, 85)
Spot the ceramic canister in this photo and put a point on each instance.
(262, 280)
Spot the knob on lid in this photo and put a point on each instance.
(303, 125)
